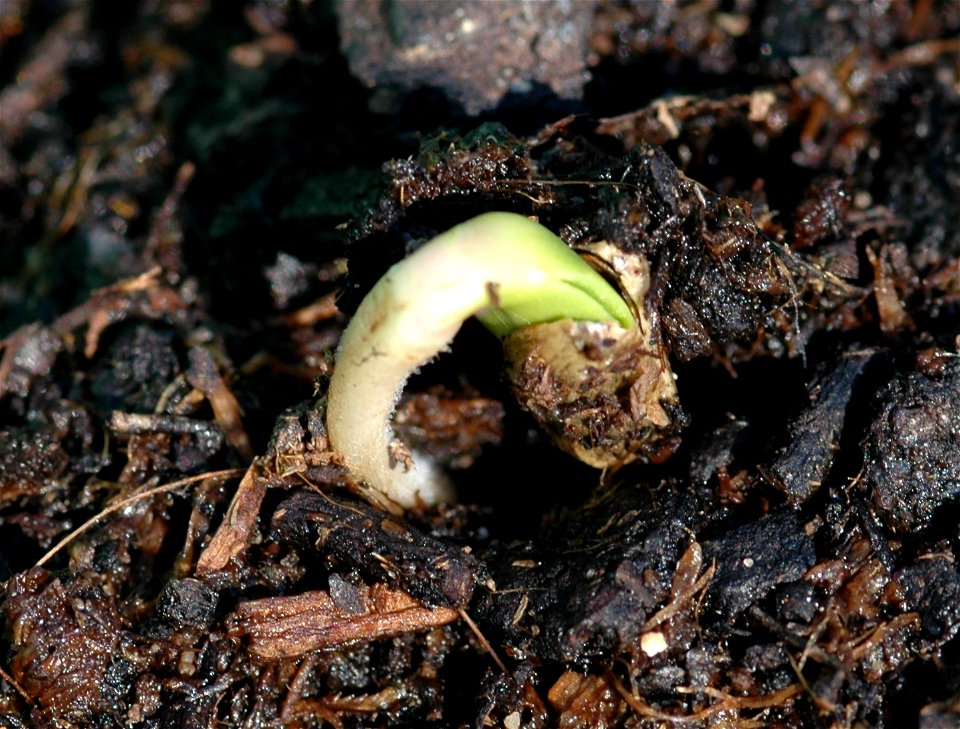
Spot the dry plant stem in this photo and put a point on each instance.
(19, 689)
(501, 267)
(123, 503)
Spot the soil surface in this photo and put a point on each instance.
(194, 198)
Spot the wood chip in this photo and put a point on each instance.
(284, 627)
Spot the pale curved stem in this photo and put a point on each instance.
(502, 267)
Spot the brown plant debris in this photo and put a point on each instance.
(285, 627)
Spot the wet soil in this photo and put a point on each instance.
(194, 197)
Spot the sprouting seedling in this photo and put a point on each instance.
(503, 268)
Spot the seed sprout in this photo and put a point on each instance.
(505, 269)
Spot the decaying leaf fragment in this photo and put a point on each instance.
(284, 627)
